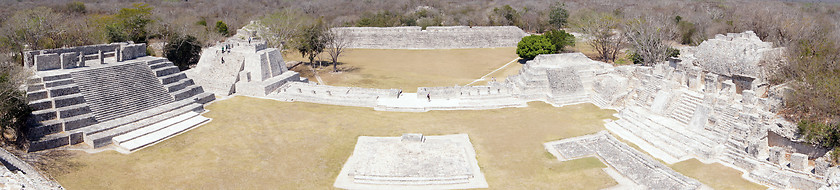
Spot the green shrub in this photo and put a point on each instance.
(222, 28)
(636, 58)
(560, 39)
(672, 52)
(531, 46)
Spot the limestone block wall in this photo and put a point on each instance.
(492, 90)
(29, 56)
(73, 57)
(433, 37)
(325, 94)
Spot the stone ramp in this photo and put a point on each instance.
(630, 163)
(120, 90)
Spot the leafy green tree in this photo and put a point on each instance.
(222, 28)
(559, 16)
(132, 22)
(183, 51)
(560, 39)
(311, 41)
(531, 46)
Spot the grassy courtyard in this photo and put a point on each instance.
(409, 69)
(254, 143)
(265, 144)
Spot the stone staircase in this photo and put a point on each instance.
(651, 131)
(157, 132)
(684, 110)
(120, 90)
(176, 82)
(58, 107)
(382, 180)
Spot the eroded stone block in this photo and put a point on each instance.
(47, 62)
(821, 166)
(777, 155)
(798, 161)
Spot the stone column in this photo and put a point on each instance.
(81, 59)
(748, 97)
(101, 57)
(821, 166)
(118, 54)
(777, 154)
(69, 60)
(798, 161)
(711, 83)
(757, 148)
(694, 78)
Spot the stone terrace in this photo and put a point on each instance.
(412, 161)
(433, 37)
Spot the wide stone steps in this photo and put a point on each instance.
(411, 180)
(157, 132)
(598, 100)
(121, 90)
(686, 107)
(169, 79)
(101, 134)
(674, 130)
(167, 70)
(675, 150)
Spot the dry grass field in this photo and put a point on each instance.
(265, 144)
(409, 69)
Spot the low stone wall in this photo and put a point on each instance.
(347, 96)
(433, 37)
(73, 57)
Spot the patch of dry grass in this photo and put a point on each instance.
(409, 69)
(715, 175)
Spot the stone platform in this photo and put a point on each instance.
(413, 161)
(642, 170)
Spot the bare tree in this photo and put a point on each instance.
(31, 29)
(648, 37)
(604, 37)
(337, 43)
(280, 27)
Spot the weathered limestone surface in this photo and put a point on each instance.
(249, 67)
(413, 161)
(433, 37)
(17, 174)
(638, 167)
